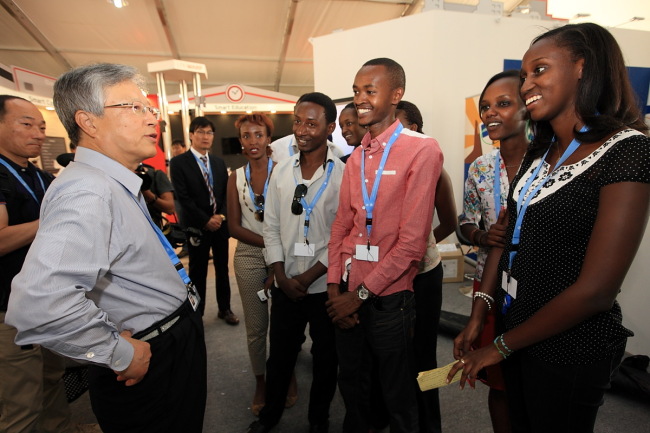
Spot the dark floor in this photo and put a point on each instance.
(231, 384)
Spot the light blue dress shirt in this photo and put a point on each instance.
(95, 268)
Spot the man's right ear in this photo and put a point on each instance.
(85, 121)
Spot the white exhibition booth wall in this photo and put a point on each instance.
(449, 56)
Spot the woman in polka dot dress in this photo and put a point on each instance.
(577, 211)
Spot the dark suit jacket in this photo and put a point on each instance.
(192, 192)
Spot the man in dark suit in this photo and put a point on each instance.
(200, 181)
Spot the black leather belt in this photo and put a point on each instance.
(165, 324)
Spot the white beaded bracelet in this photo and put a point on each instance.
(489, 300)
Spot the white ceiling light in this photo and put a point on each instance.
(119, 3)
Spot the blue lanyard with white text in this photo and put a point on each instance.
(165, 243)
(22, 181)
(266, 184)
(369, 202)
(310, 207)
(205, 168)
(522, 204)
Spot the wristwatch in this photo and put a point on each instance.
(363, 293)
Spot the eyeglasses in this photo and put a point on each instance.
(138, 108)
(299, 193)
(259, 204)
(202, 132)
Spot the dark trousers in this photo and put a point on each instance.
(427, 288)
(171, 397)
(288, 322)
(383, 340)
(545, 397)
(199, 257)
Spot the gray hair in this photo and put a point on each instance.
(84, 88)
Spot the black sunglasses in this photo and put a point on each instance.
(259, 203)
(299, 193)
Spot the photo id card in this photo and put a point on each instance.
(367, 254)
(509, 284)
(193, 296)
(302, 249)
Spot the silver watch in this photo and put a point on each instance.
(363, 293)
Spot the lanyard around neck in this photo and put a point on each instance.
(22, 181)
(291, 147)
(497, 183)
(523, 203)
(266, 183)
(163, 240)
(369, 202)
(310, 207)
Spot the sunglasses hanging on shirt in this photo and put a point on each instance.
(298, 195)
(259, 205)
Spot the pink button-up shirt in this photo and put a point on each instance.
(402, 214)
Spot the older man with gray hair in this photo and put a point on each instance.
(101, 283)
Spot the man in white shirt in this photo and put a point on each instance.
(300, 207)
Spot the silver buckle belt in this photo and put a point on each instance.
(160, 330)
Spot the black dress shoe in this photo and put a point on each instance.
(319, 428)
(258, 427)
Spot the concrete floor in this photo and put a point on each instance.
(231, 384)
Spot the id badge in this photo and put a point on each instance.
(367, 254)
(193, 296)
(509, 284)
(302, 249)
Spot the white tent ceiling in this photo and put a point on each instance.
(261, 43)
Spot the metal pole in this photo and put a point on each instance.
(198, 97)
(185, 112)
(164, 112)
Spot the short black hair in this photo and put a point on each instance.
(178, 141)
(324, 101)
(201, 122)
(510, 73)
(3, 100)
(412, 112)
(350, 105)
(395, 71)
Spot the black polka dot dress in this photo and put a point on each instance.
(555, 232)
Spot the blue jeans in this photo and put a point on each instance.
(383, 340)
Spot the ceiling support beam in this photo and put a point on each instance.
(29, 26)
(288, 28)
(162, 15)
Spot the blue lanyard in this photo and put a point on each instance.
(266, 184)
(22, 181)
(205, 168)
(291, 147)
(369, 202)
(497, 183)
(165, 243)
(309, 208)
(522, 205)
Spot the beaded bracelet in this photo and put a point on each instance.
(505, 346)
(499, 340)
(489, 300)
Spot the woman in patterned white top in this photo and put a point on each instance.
(577, 211)
(504, 114)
